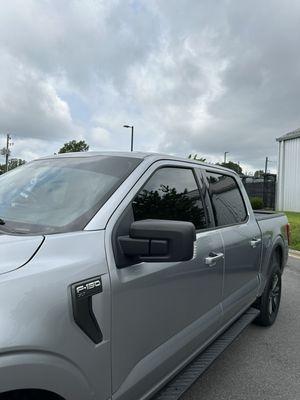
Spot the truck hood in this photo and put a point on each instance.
(15, 251)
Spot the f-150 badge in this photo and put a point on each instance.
(88, 287)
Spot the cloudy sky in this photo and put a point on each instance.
(193, 76)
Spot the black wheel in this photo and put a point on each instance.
(269, 302)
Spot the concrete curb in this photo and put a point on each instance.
(294, 253)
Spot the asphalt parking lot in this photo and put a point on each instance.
(263, 363)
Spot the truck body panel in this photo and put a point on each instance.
(39, 325)
(26, 248)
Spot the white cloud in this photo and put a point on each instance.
(202, 77)
(101, 138)
(30, 105)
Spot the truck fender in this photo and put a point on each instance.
(45, 371)
(278, 243)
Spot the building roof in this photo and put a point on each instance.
(288, 136)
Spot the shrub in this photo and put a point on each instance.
(256, 203)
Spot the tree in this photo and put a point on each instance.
(259, 174)
(74, 146)
(231, 165)
(194, 157)
(3, 151)
(167, 203)
(15, 162)
(12, 163)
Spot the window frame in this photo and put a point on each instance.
(225, 173)
(206, 198)
(198, 184)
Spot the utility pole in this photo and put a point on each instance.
(266, 165)
(265, 196)
(7, 151)
(225, 154)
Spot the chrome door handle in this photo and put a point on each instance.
(212, 259)
(254, 242)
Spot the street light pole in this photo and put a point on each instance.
(131, 145)
(225, 154)
(132, 129)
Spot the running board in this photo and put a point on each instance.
(184, 380)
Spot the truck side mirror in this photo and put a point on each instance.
(155, 240)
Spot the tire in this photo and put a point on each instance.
(269, 302)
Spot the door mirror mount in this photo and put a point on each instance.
(155, 240)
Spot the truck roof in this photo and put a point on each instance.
(134, 154)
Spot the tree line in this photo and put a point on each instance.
(74, 146)
(229, 164)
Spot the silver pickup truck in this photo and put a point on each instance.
(123, 275)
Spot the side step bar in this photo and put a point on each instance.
(184, 380)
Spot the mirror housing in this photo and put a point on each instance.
(155, 240)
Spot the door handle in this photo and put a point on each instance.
(254, 242)
(212, 259)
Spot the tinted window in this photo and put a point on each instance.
(171, 193)
(226, 198)
(59, 194)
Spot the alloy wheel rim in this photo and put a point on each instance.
(274, 295)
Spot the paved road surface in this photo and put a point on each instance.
(263, 363)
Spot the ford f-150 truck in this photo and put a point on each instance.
(119, 270)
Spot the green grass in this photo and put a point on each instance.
(294, 220)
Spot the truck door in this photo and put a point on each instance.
(162, 312)
(242, 242)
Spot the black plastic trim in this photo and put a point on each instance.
(82, 302)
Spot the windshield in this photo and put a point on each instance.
(59, 195)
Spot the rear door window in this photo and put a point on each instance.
(171, 193)
(226, 198)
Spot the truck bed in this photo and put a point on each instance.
(264, 214)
